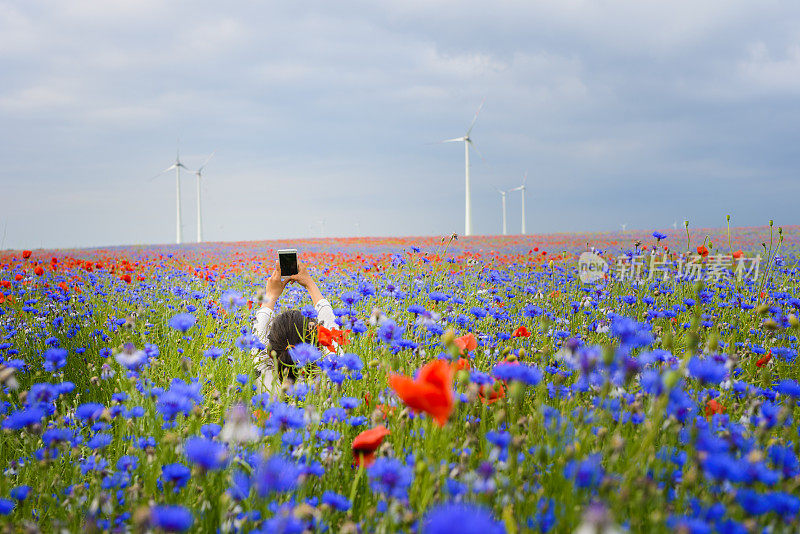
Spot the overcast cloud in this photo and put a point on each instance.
(635, 112)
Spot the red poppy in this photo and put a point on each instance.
(466, 343)
(712, 407)
(522, 332)
(366, 443)
(38, 270)
(460, 364)
(492, 394)
(431, 392)
(26, 254)
(702, 250)
(764, 359)
(738, 254)
(126, 278)
(328, 337)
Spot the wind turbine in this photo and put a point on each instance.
(199, 173)
(503, 200)
(467, 196)
(522, 190)
(177, 166)
(624, 226)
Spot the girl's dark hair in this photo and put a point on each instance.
(289, 328)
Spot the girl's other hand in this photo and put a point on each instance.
(302, 277)
(274, 287)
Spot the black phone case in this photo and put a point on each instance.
(288, 264)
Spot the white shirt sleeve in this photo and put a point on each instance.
(325, 315)
(263, 323)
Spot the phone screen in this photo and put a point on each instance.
(288, 262)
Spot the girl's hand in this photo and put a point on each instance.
(274, 287)
(302, 277)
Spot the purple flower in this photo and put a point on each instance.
(22, 418)
(178, 474)
(707, 371)
(230, 300)
(182, 321)
(54, 359)
(461, 518)
(389, 331)
(336, 501)
(207, 454)
(304, 353)
(171, 518)
(275, 474)
(586, 473)
(390, 477)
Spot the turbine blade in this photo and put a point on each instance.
(457, 139)
(162, 172)
(475, 118)
(475, 148)
(206, 161)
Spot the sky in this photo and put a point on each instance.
(325, 117)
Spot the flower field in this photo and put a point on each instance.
(478, 386)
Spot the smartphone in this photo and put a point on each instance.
(288, 261)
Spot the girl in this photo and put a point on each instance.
(285, 330)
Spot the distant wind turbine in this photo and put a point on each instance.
(177, 166)
(503, 200)
(467, 196)
(674, 225)
(199, 173)
(522, 190)
(623, 226)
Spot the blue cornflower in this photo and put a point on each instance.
(171, 518)
(210, 430)
(351, 361)
(304, 353)
(336, 501)
(230, 300)
(389, 331)
(20, 493)
(707, 370)
(438, 296)
(586, 473)
(461, 518)
(390, 477)
(182, 321)
(177, 473)
(284, 416)
(308, 311)
(99, 441)
(22, 418)
(275, 474)
(752, 502)
(527, 374)
(350, 298)
(6, 506)
(416, 309)
(366, 288)
(89, 411)
(206, 453)
(788, 387)
(348, 403)
(55, 359)
(659, 236)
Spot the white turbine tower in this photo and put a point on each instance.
(177, 166)
(503, 201)
(199, 173)
(467, 196)
(522, 190)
